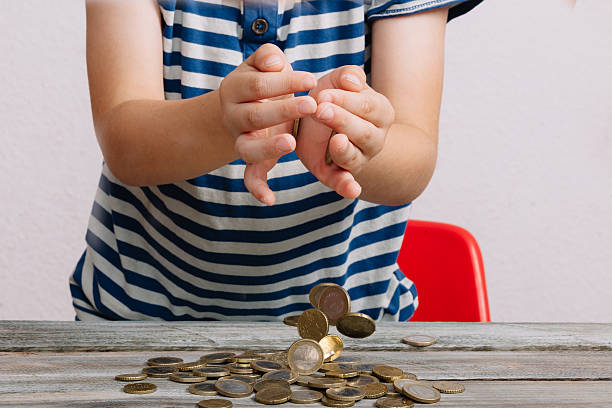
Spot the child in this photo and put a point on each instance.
(209, 205)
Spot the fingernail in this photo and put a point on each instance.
(308, 82)
(353, 79)
(272, 61)
(304, 108)
(283, 146)
(326, 114)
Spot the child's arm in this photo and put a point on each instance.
(146, 140)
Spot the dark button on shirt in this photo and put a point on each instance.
(259, 26)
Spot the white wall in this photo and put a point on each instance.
(525, 157)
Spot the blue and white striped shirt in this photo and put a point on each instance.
(205, 248)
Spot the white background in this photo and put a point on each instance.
(525, 160)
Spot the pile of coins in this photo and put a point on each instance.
(312, 369)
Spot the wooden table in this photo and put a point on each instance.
(70, 364)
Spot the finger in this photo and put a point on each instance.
(362, 133)
(253, 148)
(253, 86)
(256, 115)
(268, 57)
(367, 104)
(349, 77)
(341, 181)
(345, 154)
(255, 180)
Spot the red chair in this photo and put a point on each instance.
(445, 264)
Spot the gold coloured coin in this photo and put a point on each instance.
(215, 403)
(356, 325)
(246, 379)
(284, 374)
(387, 373)
(391, 391)
(139, 388)
(233, 388)
(398, 385)
(364, 368)
(193, 365)
(305, 356)
(186, 378)
(374, 390)
(218, 358)
(332, 347)
(315, 292)
(329, 367)
(266, 352)
(345, 393)
(335, 302)
(329, 402)
(236, 368)
(211, 372)
(344, 359)
(305, 396)
(419, 340)
(159, 371)
(291, 320)
(313, 324)
(394, 402)
(409, 376)
(361, 380)
(261, 384)
(421, 393)
(266, 365)
(448, 387)
(247, 357)
(347, 373)
(273, 395)
(207, 388)
(326, 382)
(164, 361)
(130, 377)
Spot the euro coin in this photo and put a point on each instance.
(387, 373)
(419, 340)
(356, 325)
(164, 361)
(315, 292)
(329, 402)
(364, 368)
(448, 387)
(329, 367)
(305, 356)
(361, 380)
(409, 376)
(218, 358)
(391, 391)
(291, 320)
(194, 365)
(398, 385)
(347, 359)
(273, 395)
(374, 390)
(159, 371)
(246, 379)
(421, 393)
(236, 368)
(284, 374)
(335, 302)
(332, 346)
(186, 378)
(212, 372)
(247, 357)
(305, 396)
(206, 388)
(215, 403)
(345, 393)
(394, 402)
(233, 388)
(266, 365)
(326, 382)
(313, 324)
(266, 352)
(348, 373)
(130, 377)
(261, 384)
(139, 388)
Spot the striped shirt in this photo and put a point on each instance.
(205, 249)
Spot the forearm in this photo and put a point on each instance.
(151, 142)
(402, 170)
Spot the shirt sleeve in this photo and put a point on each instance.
(375, 9)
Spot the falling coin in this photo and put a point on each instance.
(313, 324)
(159, 371)
(419, 340)
(203, 389)
(448, 387)
(387, 373)
(291, 320)
(266, 365)
(315, 292)
(139, 388)
(335, 302)
(305, 356)
(356, 325)
(332, 346)
(305, 396)
(164, 361)
(345, 393)
(130, 377)
(394, 402)
(421, 393)
(374, 390)
(273, 395)
(215, 403)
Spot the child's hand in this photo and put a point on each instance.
(360, 116)
(258, 109)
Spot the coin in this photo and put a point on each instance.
(361, 380)
(364, 368)
(315, 292)
(194, 365)
(246, 379)
(419, 340)
(356, 325)
(130, 377)
(273, 395)
(391, 391)
(266, 352)
(215, 403)
(345, 393)
(212, 372)
(261, 384)
(329, 367)
(398, 385)
(266, 365)
(332, 346)
(164, 361)
(291, 320)
(284, 374)
(233, 388)
(139, 388)
(448, 387)
(305, 396)
(247, 357)
(347, 373)
(329, 402)
(326, 382)
(218, 358)
(237, 368)
(421, 393)
(387, 373)
(374, 390)
(347, 359)
(394, 402)
(409, 376)
(207, 388)
(335, 302)
(159, 371)
(313, 324)
(186, 378)
(305, 356)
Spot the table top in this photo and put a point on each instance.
(501, 364)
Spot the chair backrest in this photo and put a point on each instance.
(445, 264)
